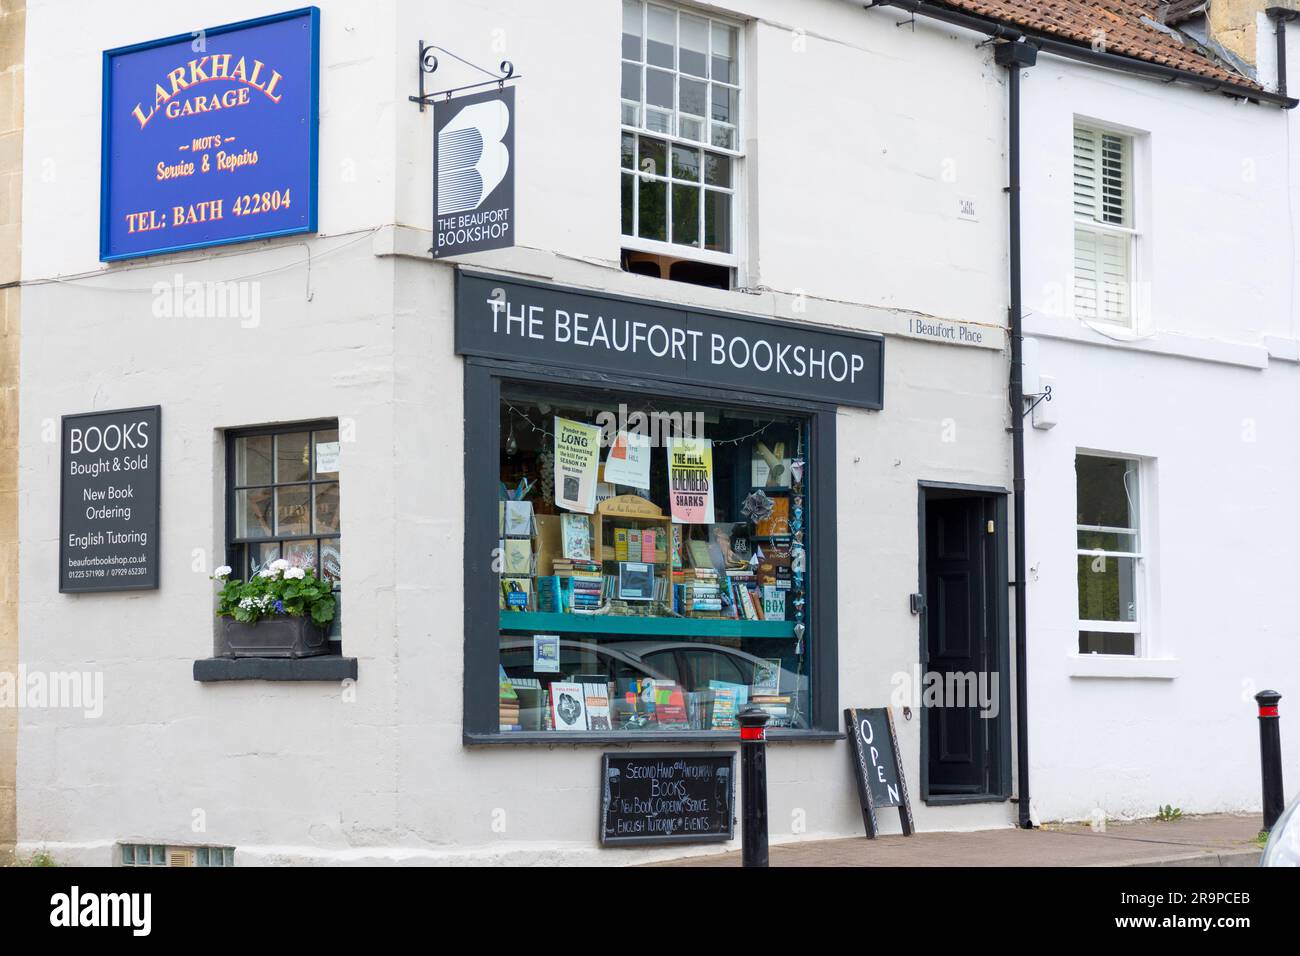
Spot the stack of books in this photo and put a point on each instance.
(533, 702)
(568, 567)
(509, 708)
(586, 590)
(779, 708)
(703, 592)
(745, 595)
(579, 584)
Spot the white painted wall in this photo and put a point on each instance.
(288, 772)
(1207, 392)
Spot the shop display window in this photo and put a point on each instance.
(653, 563)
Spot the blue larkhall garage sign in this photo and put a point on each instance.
(210, 137)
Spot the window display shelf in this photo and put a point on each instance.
(659, 626)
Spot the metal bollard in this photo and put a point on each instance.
(1270, 755)
(753, 786)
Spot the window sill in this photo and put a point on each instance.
(960, 799)
(695, 253)
(323, 668)
(1113, 665)
(632, 738)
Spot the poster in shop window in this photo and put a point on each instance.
(577, 456)
(690, 480)
(628, 461)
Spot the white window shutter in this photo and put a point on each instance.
(1102, 195)
(1086, 202)
(1114, 179)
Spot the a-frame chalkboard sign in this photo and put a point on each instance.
(874, 749)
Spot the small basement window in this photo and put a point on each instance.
(155, 854)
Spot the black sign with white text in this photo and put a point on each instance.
(508, 319)
(873, 746)
(108, 500)
(667, 798)
(474, 173)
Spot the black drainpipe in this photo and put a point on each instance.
(1281, 15)
(1016, 57)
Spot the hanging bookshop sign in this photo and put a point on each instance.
(108, 501)
(667, 798)
(474, 173)
(534, 322)
(210, 137)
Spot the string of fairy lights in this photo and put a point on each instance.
(512, 446)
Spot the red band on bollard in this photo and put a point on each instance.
(752, 733)
(1268, 711)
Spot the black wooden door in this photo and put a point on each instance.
(959, 643)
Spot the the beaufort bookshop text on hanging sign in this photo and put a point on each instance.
(533, 322)
(108, 535)
(667, 798)
(474, 173)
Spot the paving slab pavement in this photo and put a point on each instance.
(1210, 840)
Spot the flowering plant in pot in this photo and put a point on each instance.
(281, 611)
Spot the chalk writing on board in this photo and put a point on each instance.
(651, 798)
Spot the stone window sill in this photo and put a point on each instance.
(324, 668)
(1113, 665)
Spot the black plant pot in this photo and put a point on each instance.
(279, 636)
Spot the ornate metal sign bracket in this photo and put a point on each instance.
(1039, 397)
(427, 65)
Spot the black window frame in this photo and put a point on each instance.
(482, 395)
(236, 548)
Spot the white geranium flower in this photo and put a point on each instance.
(294, 574)
(280, 564)
(222, 572)
(267, 573)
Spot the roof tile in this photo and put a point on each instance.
(1124, 27)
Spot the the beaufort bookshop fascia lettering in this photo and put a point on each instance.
(510, 319)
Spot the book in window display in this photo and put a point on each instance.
(516, 593)
(767, 677)
(568, 706)
(517, 558)
(518, 519)
(577, 536)
(596, 699)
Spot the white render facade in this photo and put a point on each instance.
(865, 150)
(1201, 394)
